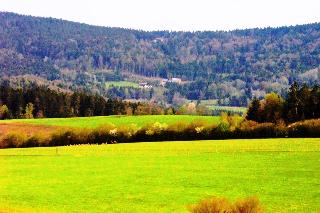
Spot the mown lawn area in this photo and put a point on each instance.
(161, 177)
(93, 122)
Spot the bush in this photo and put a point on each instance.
(308, 128)
(70, 137)
(178, 126)
(212, 205)
(251, 129)
(198, 129)
(103, 134)
(223, 205)
(126, 132)
(61, 138)
(248, 205)
(14, 140)
(38, 139)
(155, 128)
(224, 124)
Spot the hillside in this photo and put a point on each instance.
(230, 67)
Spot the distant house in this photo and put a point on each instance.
(163, 82)
(176, 80)
(172, 80)
(144, 85)
(159, 39)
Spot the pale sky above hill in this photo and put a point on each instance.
(186, 15)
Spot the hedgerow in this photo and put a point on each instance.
(229, 128)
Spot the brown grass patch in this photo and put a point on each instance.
(25, 135)
(223, 205)
(27, 129)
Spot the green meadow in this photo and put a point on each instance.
(93, 122)
(161, 177)
(121, 84)
(239, 110)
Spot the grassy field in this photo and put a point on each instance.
(213, 106)
(121, 84)
(240, 110)
(161, 177)
(92, 122)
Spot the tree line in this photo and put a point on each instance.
(36, 101)
(300, 103)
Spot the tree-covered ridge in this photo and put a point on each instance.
(259, 59)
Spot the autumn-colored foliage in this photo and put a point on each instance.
(230, 127)
(223, 205)
(301, 102)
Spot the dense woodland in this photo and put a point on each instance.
(229, 66)
(39, 101)
(301, 103)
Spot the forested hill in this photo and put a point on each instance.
(259, 59)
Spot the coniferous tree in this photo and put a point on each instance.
(253, 111)
(292, 103)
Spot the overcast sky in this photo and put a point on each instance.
(187, 15)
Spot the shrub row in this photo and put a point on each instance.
(198, 130)
(307, 128)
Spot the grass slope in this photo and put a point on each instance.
(161, 177)
(92, 122)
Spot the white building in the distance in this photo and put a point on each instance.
(172, 80)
